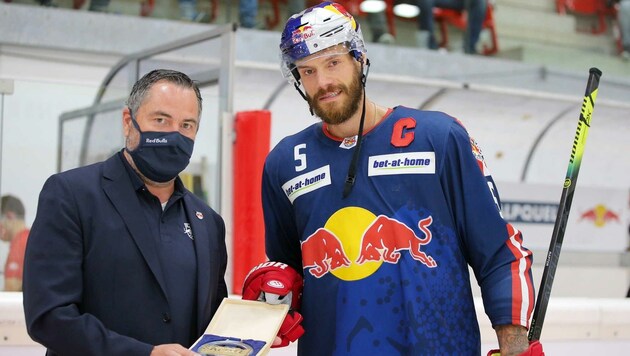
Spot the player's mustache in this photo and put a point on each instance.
(330, 89)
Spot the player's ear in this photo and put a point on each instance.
(364, 59)
(359, 57)
(126, 121)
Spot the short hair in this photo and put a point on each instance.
(12, 204)
(143, 85)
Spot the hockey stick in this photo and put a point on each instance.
(584, 122)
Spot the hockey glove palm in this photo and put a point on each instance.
(277, 283)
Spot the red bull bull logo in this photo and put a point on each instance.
(386, 237)
(302, 34)
(322, 252)
(354, 243)
(600, 215)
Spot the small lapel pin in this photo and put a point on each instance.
(199, 215)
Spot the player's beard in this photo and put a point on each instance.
(338, 112)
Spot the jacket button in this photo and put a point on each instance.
(166, 318)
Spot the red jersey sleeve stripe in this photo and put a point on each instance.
(522, 288)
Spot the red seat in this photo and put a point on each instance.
(146, 7)
(353, 7)
(455, 18)
(273, 20)
(458, 19)
(597, 8)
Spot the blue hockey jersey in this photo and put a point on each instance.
(386, 268)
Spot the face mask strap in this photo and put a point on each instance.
(133, 120)
(137, 126)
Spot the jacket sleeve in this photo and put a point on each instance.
(221, 291)
(493, 247)
(53, 282)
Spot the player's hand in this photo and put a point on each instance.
(172, 350)
(290, 330)
(277, 283)
(535, 349)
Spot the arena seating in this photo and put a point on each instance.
(445, 17)
(598, 8)
(450, 17)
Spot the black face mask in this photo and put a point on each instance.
(161, 156)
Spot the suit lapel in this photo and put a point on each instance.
(119, 190)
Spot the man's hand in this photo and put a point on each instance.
(172, 350)
(512, 339)
(513, 342)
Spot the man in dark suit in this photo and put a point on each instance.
(122, 259)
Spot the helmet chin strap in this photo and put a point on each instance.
(352, 169)
(297, 87)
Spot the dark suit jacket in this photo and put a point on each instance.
(93, 283)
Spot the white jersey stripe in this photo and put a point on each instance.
(522, 278)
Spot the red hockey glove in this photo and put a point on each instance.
(290, 330)
(535, 349)
(277, 283)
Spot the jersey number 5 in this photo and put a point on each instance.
(300, 157)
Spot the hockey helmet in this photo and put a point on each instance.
(315, 29)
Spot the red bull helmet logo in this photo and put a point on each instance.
(302, 34)
(354, 243)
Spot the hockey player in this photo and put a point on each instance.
(382, 210)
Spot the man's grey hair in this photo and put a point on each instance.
(142, 86)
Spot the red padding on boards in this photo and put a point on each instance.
(253, 135)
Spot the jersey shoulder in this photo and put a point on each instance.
(439, 118)
(427, 122)
(284, 149)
